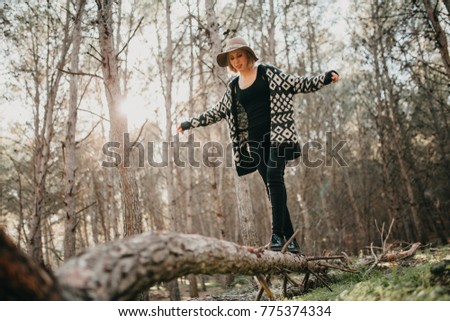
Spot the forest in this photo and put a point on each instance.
(93, 92)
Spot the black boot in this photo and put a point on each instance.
(293, 247)
(277, 242)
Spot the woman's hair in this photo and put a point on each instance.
(250, 57)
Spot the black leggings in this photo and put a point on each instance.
(271, 167)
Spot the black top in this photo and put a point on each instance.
(256, 102)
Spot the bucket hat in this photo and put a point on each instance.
(234, 44)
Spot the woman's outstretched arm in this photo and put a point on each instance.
(209, 117)
(310, 84)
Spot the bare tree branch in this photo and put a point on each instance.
(91, 112)
(80, 73)
(89, 134)
(131, 37)
(135, 142)
(100, 60)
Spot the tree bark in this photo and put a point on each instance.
(271, 57)
(43, 139)
(110, 206)
(168, 74)
(20, 225)
(119, 126)
(21, 278)
(440, 34)
(286, 31)
(121, 270)
(312, 40)
(219, 77)
(193, 288)
(306, 230)
(174, 291)
(131, 265)
(245, 209)
(188, 170)
(70, 221)
(98, 215)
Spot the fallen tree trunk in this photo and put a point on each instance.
(122, 269)
(21, 278)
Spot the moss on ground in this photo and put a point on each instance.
(412, 280)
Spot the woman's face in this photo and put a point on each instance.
(238, 59)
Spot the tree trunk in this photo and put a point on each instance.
(271, 57)
(70, 221)
(84, 235)
(174, 291)
(168, 74)
(188, 170)
(286, 28)
(312, 40)
(121, 270)
(21, 277)
(219, 78)
(93, 223)
(440, 34)
(43, 139)
(246, 217)
(306, 231)
(360, 237)
(132, 265)
(193, 288)
(130, 193)
(98, 214)
(20, 225)
(110, 207)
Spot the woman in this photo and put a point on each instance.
(258, 108)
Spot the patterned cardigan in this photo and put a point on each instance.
(283, 134)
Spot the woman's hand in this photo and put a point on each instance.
(180, 129)
(334, 77)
